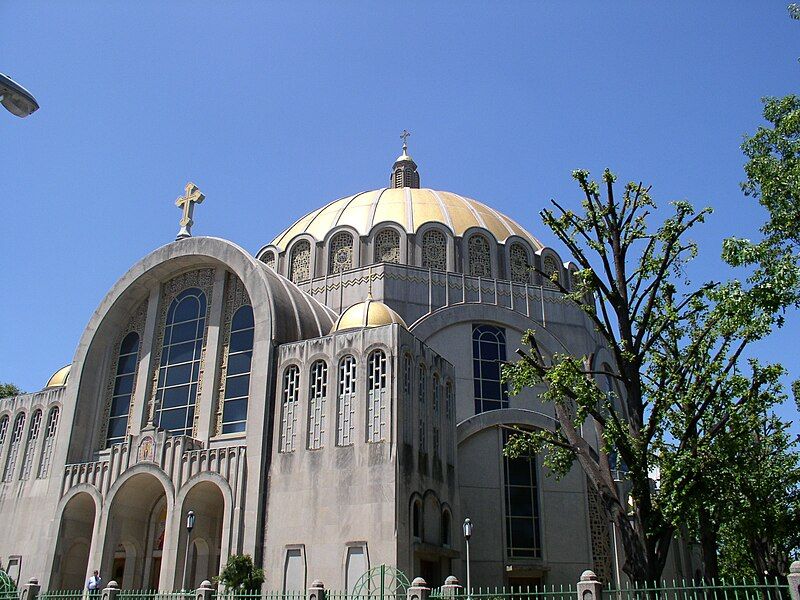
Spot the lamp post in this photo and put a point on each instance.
(189, 527)
(468, 534)
(15, 98)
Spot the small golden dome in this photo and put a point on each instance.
(59, 378)
(370, 313)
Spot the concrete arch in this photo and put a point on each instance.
(504, 416)
(76, 522)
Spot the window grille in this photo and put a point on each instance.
(436, 394)
(291, 390)
(318, 393)
(423, 403)
(550, 266)
(122, 392)
(435, 440)
(269, 259)
(387, 246)
(488, 353)
(237, 371)
(300, 262)
(434, 250)
(16, 437)
(30, 444)
(49, 441)
(345, 414)
(522, 506)
(449, 401)
(408, 430)
(340, 253)
(520, 267)
(480, 258)
(376, 396)
(3, 431)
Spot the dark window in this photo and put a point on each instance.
(127, 360)
(415, 520)
(488, 353)
(237, 376)
(522, 506)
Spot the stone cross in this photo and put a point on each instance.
(186, 202)
(404, 137)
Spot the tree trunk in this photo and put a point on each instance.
(709, 545)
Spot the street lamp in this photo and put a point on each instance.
(16, 99)
(189, 527)
(468, 534)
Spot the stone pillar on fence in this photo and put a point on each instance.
(205, 591)
(419, 590)
(110, 591)
(316, 591)
(589, 587)
(451, 588)
(794, 580)
(30, 591)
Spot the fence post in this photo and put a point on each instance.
(794, 580)
(316, 591)
(589, 587)
(30, 591)
(419, 590)
(205, 591)
(110, 591)
(451, 587)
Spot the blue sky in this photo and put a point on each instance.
(274, 109)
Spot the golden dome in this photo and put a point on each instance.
(370, 313)
(409, 208)
(59, 378)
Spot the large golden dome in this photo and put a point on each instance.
(408, 207)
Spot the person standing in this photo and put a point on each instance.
(95, 583)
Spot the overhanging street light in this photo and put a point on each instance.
(189, 526)
(468, 534)
(15, 98)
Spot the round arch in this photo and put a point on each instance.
(77, 520)
(504, 416)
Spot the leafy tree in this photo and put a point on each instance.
(675, 347)
(8, 390)
(241, 574)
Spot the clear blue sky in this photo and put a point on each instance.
(274, 109)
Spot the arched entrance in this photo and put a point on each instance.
(74, 541)
(137, 522)
(206, 500)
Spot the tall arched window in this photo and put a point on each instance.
(317, 394)
(422, 394)
(179, 371)
(123, 389)
(291, 395)
(49, 441)
(522, 505)
(488, 353)
(436, 403)
(30, 444)
(340, 253)
(3, 431)
(434, 250)
(387, 246)
(518, 261)
(408, 390)
(268, 258)
(376, 396)
(345, 409)
(300, 262)
(13, 449)
(550, 267)
(480, 257)
(237, 372)
(446, 519)
(416, 519)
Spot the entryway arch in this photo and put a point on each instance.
(208, 502)
(74, 542)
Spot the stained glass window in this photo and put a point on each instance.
(550, 266)
(300, 262)
(268, 258)
(480, 257)
(434, 250)
(518, 260)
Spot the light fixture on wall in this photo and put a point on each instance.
(190, 518)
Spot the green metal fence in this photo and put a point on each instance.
(9, 595)
(731, 589)
(65, 595)
(542, 592)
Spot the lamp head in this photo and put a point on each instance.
(467, 529)
(190, 520)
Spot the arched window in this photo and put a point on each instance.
(3, 431)
(387, 246)
(408, 429)
(480, 257)
(291, 393)
(520, 266)
(376, 396)
(549, 267)
(300, 262)
(318, 393)
(30, 444)
(13, 449)
(449, 408)
(268, 258)
(124, 381)
(49, 441)
(179, 372)
(345, 409)
(434, 250)
(446, 528)
(416, 519)
(522, 505)
(488, 353)
(422, 394)
(340, 253)
(237, 373)
(436, 403)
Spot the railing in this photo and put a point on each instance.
(731, 589)
(154, 595)
(542, 592)
(9, 595)
(68, 595)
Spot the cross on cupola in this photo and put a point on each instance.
(404, 171)
(192, 196)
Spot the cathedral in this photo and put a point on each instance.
(330, 403)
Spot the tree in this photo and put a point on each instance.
(675, 348)
(241, 574)
(7, 390)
